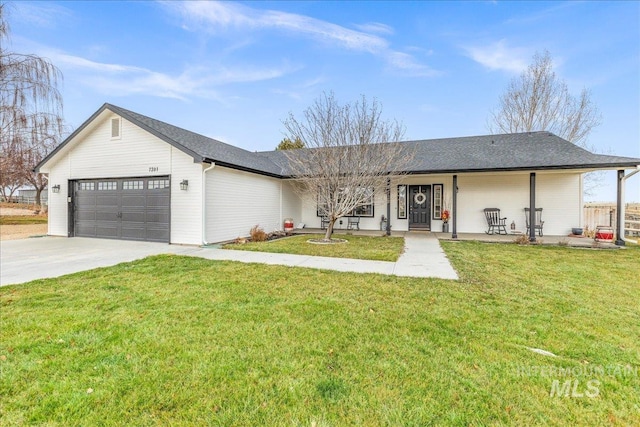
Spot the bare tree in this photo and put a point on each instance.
(30, 110)
(538, 100)
(11, 171)
(351, 153)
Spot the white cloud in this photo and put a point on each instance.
(126, 80)
(408, 65)
(375, 27)
(44, 14)
(499, 56)
(218, 17)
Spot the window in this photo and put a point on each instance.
(107, 185)
(437, 201)
(133, 185)
(402, 202)
(115, 128)
(158, 184)
(86, 186)
(365, 209)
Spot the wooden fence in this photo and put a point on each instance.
(596, 214)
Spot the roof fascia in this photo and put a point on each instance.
(242, 168)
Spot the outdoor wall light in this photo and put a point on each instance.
(56, 188)
(184, 184)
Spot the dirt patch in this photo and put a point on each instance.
(16, 212)
(13, 232)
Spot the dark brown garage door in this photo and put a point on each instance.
(123, 208)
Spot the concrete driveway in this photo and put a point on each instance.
(38, 258)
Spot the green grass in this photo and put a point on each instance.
(360, 247)
(22, 219)
(172, 340)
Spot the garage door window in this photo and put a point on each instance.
(107, 185)
(155, 184)
(86, 186)
(133, 185)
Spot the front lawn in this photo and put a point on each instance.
(376, 248)
(175, 340)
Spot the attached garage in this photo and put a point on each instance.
(125, 208)
(123, 175)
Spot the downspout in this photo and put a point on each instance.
(622, 184)
(204, 203)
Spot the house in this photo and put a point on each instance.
(123, 175)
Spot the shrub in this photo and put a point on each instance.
(522, 239)
(257, 234)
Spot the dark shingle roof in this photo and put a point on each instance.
(520, 151)
(530, 150)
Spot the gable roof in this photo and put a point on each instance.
(200, 147)
(507, 152)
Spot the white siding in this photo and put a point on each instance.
(58, 218)
(291, 204)
(558, 194)
(94, 154)
(236, 201)
(507, 192)
(186, 206)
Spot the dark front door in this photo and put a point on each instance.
(420, 207)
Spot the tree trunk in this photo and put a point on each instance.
(332, 222)
(38, 196)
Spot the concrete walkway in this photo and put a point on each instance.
(30, 259)
(423, 257)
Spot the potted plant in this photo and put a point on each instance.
(445, 220)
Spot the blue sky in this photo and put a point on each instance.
(234, 71)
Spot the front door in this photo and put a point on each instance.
(420, 207)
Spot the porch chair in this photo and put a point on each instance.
(494, 221)
(353, 222)
(539, 222)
